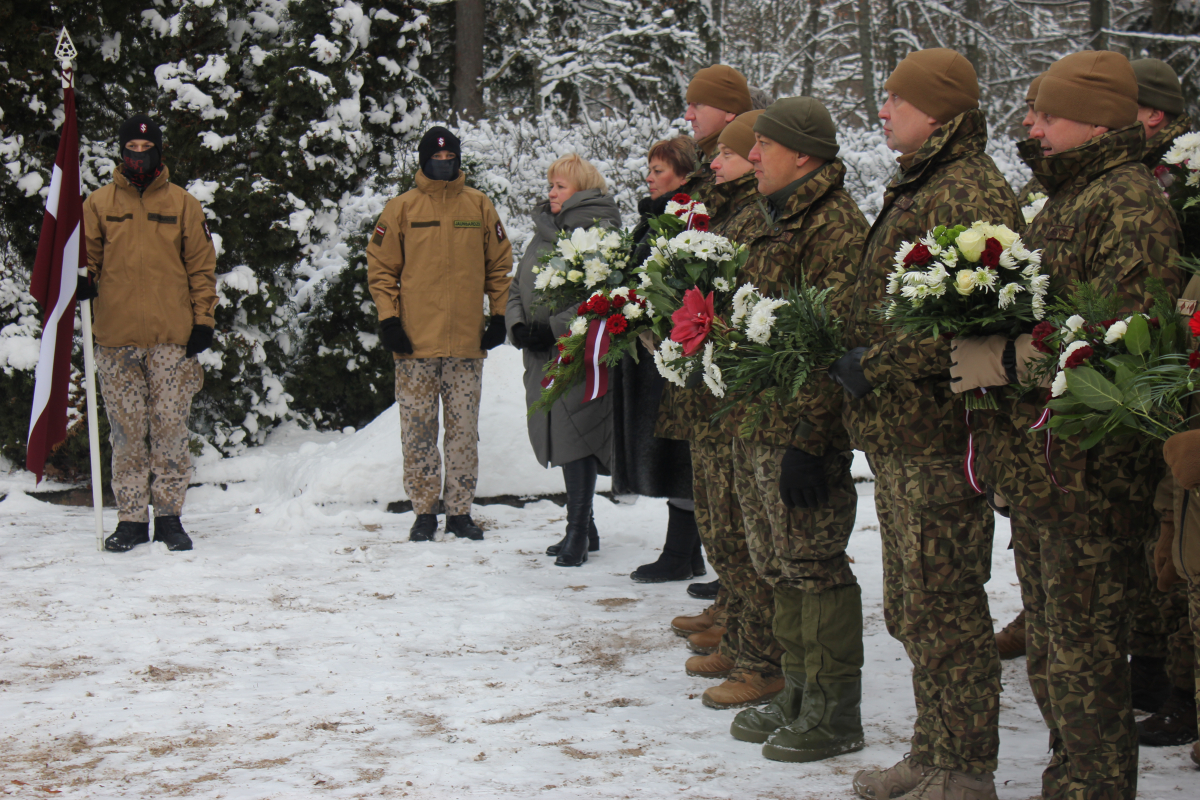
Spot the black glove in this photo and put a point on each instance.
(802, 481)
(520, 335)
(391, 333)
(493, 334)
(86, 288)
(848, 373)
(540, 337)
(199, 341)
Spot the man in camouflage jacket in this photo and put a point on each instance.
(936, 530)
(1079, 517)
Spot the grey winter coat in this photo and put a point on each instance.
(573, 429)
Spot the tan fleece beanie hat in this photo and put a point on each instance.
(721, 87)
(1096, 87)
(802, 124)
(1158, 85)
(1031, 95)
(738, 135)
(938, 81)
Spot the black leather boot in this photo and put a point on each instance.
(593, 540)
(580, 479)
(676, 562)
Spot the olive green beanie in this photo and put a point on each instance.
(802, 124)
(938, 81)
(1096, 87)
(738, 135)
(1158, 85)
(721, 87)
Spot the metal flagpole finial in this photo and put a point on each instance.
(66, 48)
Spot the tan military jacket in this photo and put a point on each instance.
(154, 263)
(435, 252)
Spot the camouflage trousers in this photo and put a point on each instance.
(1159, 620)
(148, 395)
(750, 609)
(420, 384)
(1074, 589)
(937, 558)
(1193, 593)
(803, 548)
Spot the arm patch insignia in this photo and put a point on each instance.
(380, 231)
(499, 231)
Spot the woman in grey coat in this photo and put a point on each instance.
(574, 435)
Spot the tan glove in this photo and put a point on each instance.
(1164, 565)
(648, 340)
(978, 362)
(1182, 454)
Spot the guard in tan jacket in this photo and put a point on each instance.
(152, 274)
(436, 251)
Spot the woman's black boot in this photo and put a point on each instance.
(580, 479)
(676, 562)
(593, 540)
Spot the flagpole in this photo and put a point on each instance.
(65, 51)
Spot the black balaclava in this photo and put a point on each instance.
(141, 168)
(435, 139)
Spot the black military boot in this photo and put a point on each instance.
(579, 476)
(675, 563)
(1151, 686)
(169, 531)
(423, 529)
(1173, 724)
(593, 540)
(462, 526)
(698, 570)
(127, 536)
(705, 591)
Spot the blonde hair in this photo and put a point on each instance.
(577, 171)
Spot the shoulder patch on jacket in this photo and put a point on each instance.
(433, 223)
(1061, 233)
(499, 231)
(468, 223)
(380, 232)
(163, 218)
(111, 218)
(905, 203)
(1185, 307)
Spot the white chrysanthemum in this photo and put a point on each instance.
(890, 311)
(743, 299)
(579, 326)
(914, 278)
(632, 311)
(986, 279)
(1193, 178)
(721, 284)
(762, 319)
(1184, 148)
(950, 258)
(1116, 332)
(1008, 294)
(894, 282)
(673, 208)
(649, 307)
(1039, 307)
(543, 279)
(557, 279)
(1007, 260)
(936, 276)
(668, 353)
(644, 280)
(620, 291)
(574, 276)
(595, 271)
(1071, 348)
(712, 373)
(1059, 385)
(903, 252)
(699, 208)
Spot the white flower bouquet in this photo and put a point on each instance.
(583, 260)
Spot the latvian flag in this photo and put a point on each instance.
(62, 251)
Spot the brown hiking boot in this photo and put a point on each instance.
(1011, 641)
(743, 687)
(1173, 724)
(881, 784)
(945, 784)
(686, 626)
(710, 666)
(706, 642)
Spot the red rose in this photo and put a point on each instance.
(990, 257)
(693, 320)
(682, 199)
(919, 256)
(1040, 332)
(618, 302)
(1078, 357)
(1194, 359)
(617, 323)
(598, 305)
(700, 222)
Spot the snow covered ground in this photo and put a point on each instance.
(305, 648)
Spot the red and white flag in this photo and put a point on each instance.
(62, 251)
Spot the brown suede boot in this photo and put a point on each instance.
(686, 626)
(1011, 641)
(945, 784)
(881, 784)
(706, 642)
(710, 666)
(743, 687)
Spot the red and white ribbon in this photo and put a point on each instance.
(969, 464)
(594, 349)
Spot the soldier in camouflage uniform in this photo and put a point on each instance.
(791, 465)
(1033, 189)
(1079, 517)
(152, 258)
(936, 530)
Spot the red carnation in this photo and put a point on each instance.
(1040, 332)
(583, 308)
(1194, 359)
(598, 305)
(919, 256)
(700, 222)
(565, 359)
(618, 302)
(617, 323)
(1078, 356)
(990, 257)
(1194, 324)
(682, 199)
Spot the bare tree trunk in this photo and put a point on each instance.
(890, 56)
(1160, 22)
(1098, 20)
(714, 42)
(812, 24)
(468, 58)
(870, 107)
(974, 15)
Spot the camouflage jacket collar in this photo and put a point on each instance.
(1081, 165)
(1158, 144)
(737, 191)
(961, 136)
(828, 178)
